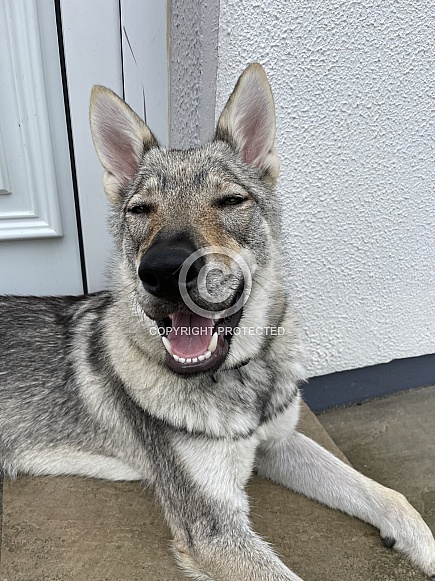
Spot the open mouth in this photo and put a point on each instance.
(194, 343)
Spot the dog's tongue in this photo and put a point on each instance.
(190, 334)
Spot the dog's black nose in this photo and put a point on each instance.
(160, 267)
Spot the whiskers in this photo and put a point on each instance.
(276, 285)
(136, 310)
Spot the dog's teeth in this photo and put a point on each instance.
(188, 360)
(195, 360)
(181, 360)
(167, 345)
(207, 355)
(201, 358)
(213, 343)
(175, 357)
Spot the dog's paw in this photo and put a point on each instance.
(388, 542)
(406, 532)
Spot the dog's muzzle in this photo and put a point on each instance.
(194, 342)
(160, 267)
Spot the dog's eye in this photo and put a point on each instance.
(233, 200)
(140, 209)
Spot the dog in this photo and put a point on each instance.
(185, 374)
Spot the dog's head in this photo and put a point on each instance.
(194, 228)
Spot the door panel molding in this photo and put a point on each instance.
(27, 166)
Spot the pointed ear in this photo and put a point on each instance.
(247, 122)
(120, 138)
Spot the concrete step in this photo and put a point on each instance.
(65, 528)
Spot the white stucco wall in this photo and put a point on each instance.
(354, 86)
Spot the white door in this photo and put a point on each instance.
(39, 252)
(53, 237)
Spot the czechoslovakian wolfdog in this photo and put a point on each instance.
(166, 377)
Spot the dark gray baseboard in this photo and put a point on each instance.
(356, 385)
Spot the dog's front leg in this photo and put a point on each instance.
(200, 484)
(302, 465)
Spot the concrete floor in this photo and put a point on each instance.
(59, 529)
(392, 440)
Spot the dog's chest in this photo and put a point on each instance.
(232, 403)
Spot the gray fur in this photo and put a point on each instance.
(84, 385)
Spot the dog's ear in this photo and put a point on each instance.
(120, 138)
(247, 122)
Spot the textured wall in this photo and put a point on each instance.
(193, 52)
(353, 83)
